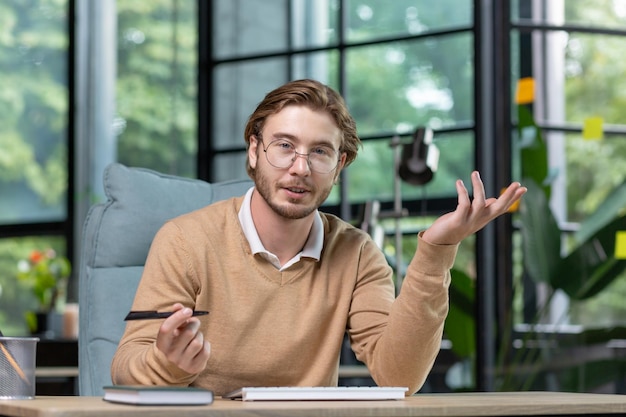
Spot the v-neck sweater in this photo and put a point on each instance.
(285, 328)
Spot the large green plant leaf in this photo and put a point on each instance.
(593, 336)
(460, 327)
(592, 375)
(587, 270)
(541, 237)
(575, 367)
(614, 206)
(533, 151)
(591, 266)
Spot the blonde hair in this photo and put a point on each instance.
(314, 95)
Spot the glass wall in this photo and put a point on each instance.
(34, 144)
(135, 86)
(400, 65)
(156, 85)
(34, 116)
(134, 70)
(571, 274)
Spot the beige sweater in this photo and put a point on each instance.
(272, 328)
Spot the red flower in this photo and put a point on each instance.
(36, 257)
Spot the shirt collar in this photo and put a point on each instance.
(312, 247)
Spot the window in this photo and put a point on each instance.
(35, 113)
(34, 140)
(156, 86)
(169, 85)
(567, 49)
(576, 79)
(399, 65)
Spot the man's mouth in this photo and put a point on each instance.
(296, 190)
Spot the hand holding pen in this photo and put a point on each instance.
(180, 339)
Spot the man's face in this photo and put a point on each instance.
(295, 191)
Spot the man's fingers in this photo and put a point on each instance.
(501, 204)
(190, 350)
(478, 188)
(175, 343)
(194, 355)
(512, 194)
(463, 198)
(473, 214)
(176, 320)
(188, 332)
(172, 329)
(182, 342)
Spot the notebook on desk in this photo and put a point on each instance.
(317, 393)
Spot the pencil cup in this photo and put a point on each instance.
(17, 367)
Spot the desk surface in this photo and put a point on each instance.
(465, 404)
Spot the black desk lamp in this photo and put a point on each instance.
(416, 165)
(420, 158)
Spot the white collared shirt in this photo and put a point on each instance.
(312, 247)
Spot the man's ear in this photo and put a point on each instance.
(253, 153)
(340, 165)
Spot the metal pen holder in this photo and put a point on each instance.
(17, 367)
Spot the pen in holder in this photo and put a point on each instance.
(17, 367)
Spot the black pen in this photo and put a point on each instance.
(153, 314)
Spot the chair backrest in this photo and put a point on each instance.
(116, 238)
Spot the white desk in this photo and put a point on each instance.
(466, 404)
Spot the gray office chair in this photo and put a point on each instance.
(116, 237)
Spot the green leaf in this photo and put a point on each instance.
(613, 206)
(541, 237)
(592, 375)
(459, 327)
(592, 266)
(593, 336)
(534, 152)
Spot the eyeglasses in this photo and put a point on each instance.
(282, 154)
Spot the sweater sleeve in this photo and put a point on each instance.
(400, 345)
(167, 278)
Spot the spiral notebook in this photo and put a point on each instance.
(317, 393)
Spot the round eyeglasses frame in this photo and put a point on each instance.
(296, 154)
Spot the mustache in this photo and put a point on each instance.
(297, 184)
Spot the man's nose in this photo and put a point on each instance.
(301, 163)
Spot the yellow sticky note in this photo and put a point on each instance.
(525, 90)
(620, 244)
(592, 128)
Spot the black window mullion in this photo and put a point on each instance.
(206, 154)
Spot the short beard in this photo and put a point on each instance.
(292, 212)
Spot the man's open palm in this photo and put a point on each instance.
(471, 215)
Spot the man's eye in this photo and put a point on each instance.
(283, 145)
(321, 151)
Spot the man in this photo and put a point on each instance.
(283, 281)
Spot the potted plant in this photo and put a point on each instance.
(581, 271)
(45, 274)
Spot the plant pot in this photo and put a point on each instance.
(49, 325)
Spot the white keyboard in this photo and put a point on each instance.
(317, 393)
